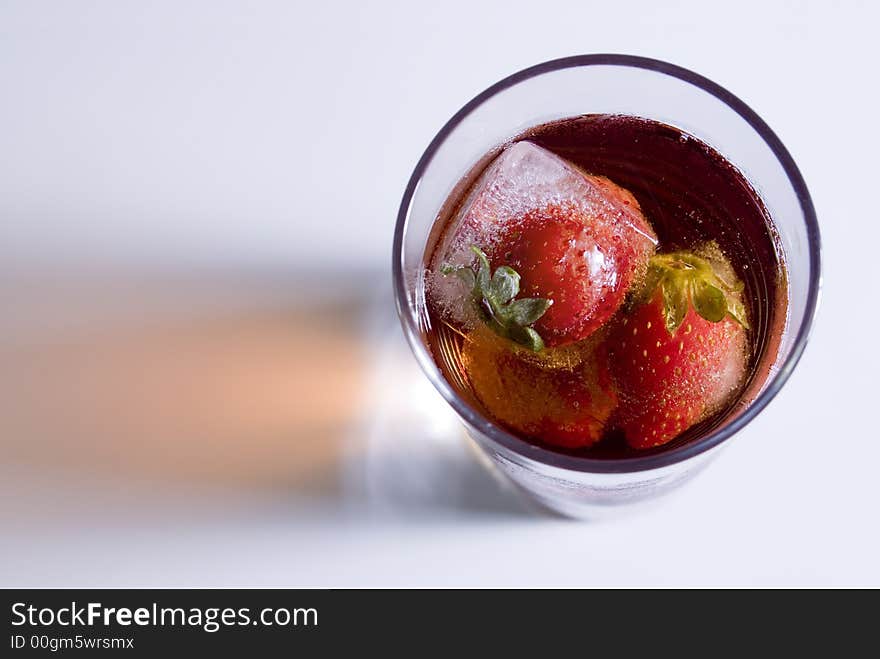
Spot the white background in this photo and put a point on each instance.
(234, 146)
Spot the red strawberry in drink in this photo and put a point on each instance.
(562, 396)
(576, 239)
(680, 354)
(581, 261)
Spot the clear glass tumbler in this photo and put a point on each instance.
(608, 84)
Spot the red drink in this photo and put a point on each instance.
(650, 290)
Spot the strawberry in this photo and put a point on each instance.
(577, 239)
(680, 353)
(561, 396)
(584, 263)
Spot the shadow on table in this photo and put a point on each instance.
(236, 384)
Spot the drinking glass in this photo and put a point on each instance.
(607, 84)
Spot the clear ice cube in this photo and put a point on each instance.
(523, 178)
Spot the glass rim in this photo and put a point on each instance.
(511, 441)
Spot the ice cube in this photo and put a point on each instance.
(522, 179)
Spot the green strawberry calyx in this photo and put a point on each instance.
(494, 295)
(686, 279)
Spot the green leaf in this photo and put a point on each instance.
(689, 279)
(505, 284)
(653, 278)
(484, 273)
(494, 296)
(527, 310)
(709, 300)
(468, 277)
(737, 311)
(735, 286)
(528, 337)
(462, 272)
(675, 303)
